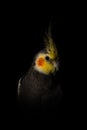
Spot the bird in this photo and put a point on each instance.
(36, 87)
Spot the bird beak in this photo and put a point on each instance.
(56, 65)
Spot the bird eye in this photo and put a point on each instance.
(47, 58)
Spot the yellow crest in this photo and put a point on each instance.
(50, 45)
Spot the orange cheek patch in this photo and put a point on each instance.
(40, 62)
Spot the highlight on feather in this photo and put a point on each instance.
(50, 46)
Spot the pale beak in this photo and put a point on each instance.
(56, 65)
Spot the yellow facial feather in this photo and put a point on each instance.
(44, 66)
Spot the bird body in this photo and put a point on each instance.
(33, 89)
(36, 87)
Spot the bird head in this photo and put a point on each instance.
(46, 61)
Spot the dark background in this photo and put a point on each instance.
(24, 29)
(23, 26)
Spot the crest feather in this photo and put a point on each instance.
(50, 46)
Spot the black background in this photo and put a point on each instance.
(24, 29)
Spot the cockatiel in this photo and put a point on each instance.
(36, 87)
